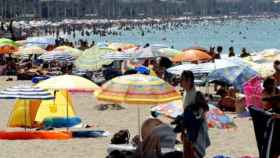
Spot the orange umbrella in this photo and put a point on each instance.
(192, 56)
(196, 48)
(7, 49)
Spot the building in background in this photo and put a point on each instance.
(58, 9)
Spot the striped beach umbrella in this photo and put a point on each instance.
(137, 90)
(25, 92)
(57, 55)
(92, 59)
(117, 56)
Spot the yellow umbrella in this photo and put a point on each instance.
(68, 82)
(72, 51)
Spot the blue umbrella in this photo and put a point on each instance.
(235, 75)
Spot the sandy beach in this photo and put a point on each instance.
(234, 142)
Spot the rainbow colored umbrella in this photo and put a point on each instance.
(138, 90)
(93, 58)
(215, 117)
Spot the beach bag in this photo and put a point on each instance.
(121, 137)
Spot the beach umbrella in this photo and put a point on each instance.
(215, 117)
(236, 75)
(69, 83)
(26, 93)
(5, 41)
(267, 55)
(202, 67)
(145, 52)
(117, 56)
(137, 89)
(7, 46)
(30, 50)
(169, 52)
(57, 55)
(92, 59)
(192, 56)
(196, 48)
(70, 50)
(122, 46)
(42, 42)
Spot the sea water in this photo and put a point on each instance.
(254, 35)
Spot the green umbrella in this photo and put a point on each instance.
(92, 58)
(5, 41)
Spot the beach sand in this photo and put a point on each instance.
(234, 142)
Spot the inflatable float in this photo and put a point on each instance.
(24, 135)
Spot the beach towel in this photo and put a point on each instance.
(267, 132)
(61, 122)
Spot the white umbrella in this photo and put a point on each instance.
(203, 67)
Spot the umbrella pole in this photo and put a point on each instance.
(67, 110)
(139, 122)
(25, 113)
(139, 130)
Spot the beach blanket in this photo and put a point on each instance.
(215, 117)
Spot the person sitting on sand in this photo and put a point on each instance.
(157, 137)
(231, 52)
(244, 53)
(228, 99)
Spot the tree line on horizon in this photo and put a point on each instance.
(59, 9)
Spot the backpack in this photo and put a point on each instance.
(121, 137)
